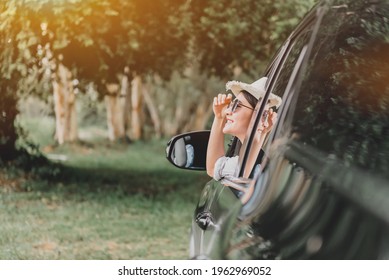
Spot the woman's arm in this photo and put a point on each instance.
(216, 139)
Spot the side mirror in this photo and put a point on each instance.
(189, 150)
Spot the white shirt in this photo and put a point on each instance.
(226, 167)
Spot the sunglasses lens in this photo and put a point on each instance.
(231, 105)
(235, 105)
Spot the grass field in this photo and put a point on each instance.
(108, 201)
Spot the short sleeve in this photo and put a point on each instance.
(225, 167)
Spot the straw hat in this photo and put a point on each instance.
(256, 89)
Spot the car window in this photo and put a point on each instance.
(263, 126)
(281, 71)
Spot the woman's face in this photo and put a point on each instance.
(239, 119)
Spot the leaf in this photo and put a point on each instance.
(111, 13)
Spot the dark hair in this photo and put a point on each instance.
(250, 98)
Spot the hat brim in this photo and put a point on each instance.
(236, 87)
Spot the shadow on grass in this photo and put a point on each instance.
(113, 181)
(118, 173)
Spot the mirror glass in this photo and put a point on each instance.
(188, 150)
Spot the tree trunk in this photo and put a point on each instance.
(115, 111)
(64, 106)
(125, 94)
(153, 110)
(136, 108)
(202, 114)
(8, 113)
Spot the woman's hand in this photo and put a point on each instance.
(271, 119)
(220, 104)
(265, 126)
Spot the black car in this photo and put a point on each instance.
(322, 189)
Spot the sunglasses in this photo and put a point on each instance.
(237, 104)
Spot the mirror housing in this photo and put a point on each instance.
(189, 150)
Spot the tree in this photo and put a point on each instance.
(130, 37)
(241, 33)
(114, 43)
(228, 39)
(16, 58)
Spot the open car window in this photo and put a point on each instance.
(280, 76)
(265, 117)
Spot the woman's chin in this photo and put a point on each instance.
(227, 129)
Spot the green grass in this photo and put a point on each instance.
(108, 201)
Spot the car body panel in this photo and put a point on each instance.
(215, 215)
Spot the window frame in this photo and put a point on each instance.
(313, 20)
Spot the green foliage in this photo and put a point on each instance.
(16, 40)
(98, 39)
(352, 74)
(288, 15)
(242, 33)
(155, 36)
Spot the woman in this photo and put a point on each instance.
(233, 117)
